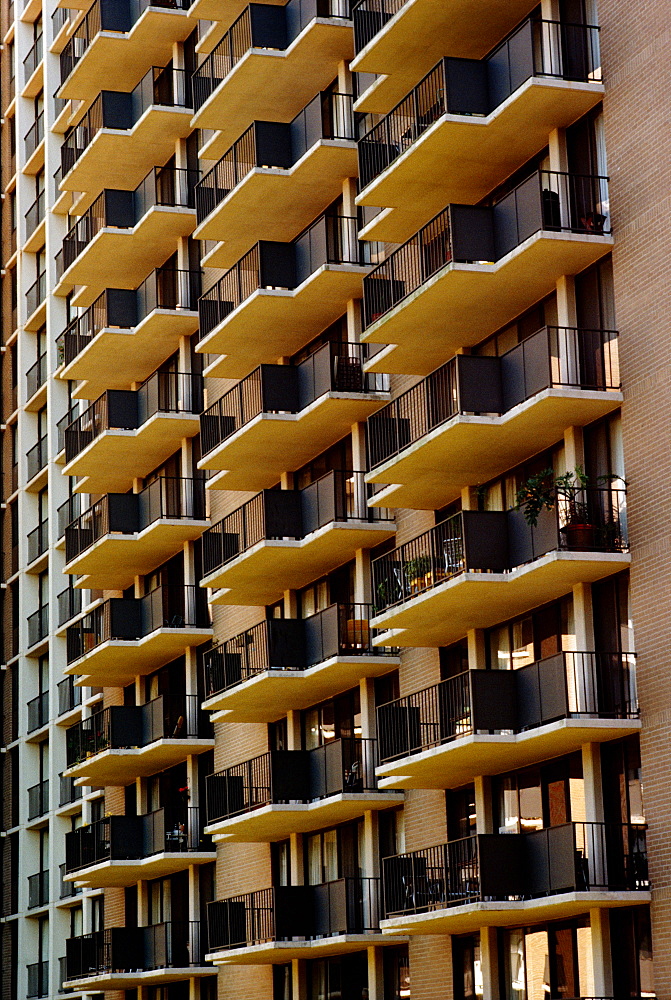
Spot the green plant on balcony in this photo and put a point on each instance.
(416, 571)
(567, 493)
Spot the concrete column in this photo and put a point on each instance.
(573, 448)
(375, 974)
(368, 722)
(601, 953)
(489, 958)
(371, 859)
(591, 766)
(483, 805)
(294, 730)
(362, 577)
(477, 651)
(300, 980)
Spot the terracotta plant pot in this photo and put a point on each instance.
(579, 536)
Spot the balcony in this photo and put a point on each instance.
(36, 307)
(32, 80)
(36, 463)
(126, 234)
(38, 625)
(38, 889)
(441, 281)
(283, 539)
(38, 980)
(68, 511)
(116, 42)
(144, 324)
(122, 850)
(479, 568)
(283, 664)
(124, 535)
(488, 721)
(38, 543)
(70, 795)
(127, 433)
(281, 416)
(471, 123)
(68, 890)
(69, 696)
(34, 224)
(281, 175)
(124, 637)
(123, 135)
(36, 377)
(495, 880)
(281, 295)
(269, 64)
(387, 37)
(475, 417)
(34, 146)
(38, 712)
(122, 743)
(128, 957)
(69, 604)
(38, 800)
(296, 921)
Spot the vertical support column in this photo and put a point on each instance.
(566, 366)
(483, 804)
(375, 974)
(489, 958)
(477, 652)
(601, 953)
(573, 448)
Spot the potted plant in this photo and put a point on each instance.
(416, 570)
(545, 491)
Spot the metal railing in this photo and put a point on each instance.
(168, 945)
(68, 889)
(69, 604)
(68, 511)
(36, 375)
(38, 541)
(69, 793)
(38, 980)
(35, 214)
(37, 457)
(370, 17)
(59, 19)
(33, 59)
(38, 625)
(38, 711)
(36, 294)
(69, 696)
(38, 889)
(34, 135)
(38, 799)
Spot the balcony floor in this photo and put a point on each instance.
(472, 916)
(445, 613)
(281, 203)
(462, 304)
(108, 874)
(456, 763)
(274, 85)
(119, 60)
(260, 575)
(268, 696)
(143, 349)
(116, 457)
(273, 952)
(424, 31)
(467, 156)
(256, 455)
(121, 767)
(272, 324)
(467, 450)
(106, 981)
(116, 662)
(276, 822)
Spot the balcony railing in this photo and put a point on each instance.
(569, 685)
(288, 389)
(171, 945)
(38, 980)
(59, 19)
(130, 513)
(37, 457)
(38, 541)
(331, 239)
(69, 696)
(36, 375)
(69, 792)
(160, 87)
(38, 711)
(36, 293)
(291, 514)
(163, 186)
(34, 135)
(68, 889)
(497, 542)
(38, 889)
(345, 906)
(67, 512)
(132, 838)
(69, 604)
(535, 48)
(35, 214)
(269, 144)
(370, 17)
(131, 619)
(573, 857)
(546, 201)
(65, 420)
(124, 727)
(291, 644)
(554, 357)
(38, 799)
(33, 59)
(38, 625)
(166, 288)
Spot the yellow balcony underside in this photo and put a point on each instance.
(467, 156)
(445, 613)
(107, 981)
(114, 561)
(472, 916)
(223, 11)
(116, 457)
(122, 258)
(121, 767)
(276, 822)
(256, 455)
(281, 203)
(460, 761)
(274, 952)
(120, 159)
(424, 31)
(262, 574)
(116, 662)
(271, 324)
(463, 303)
(108, 874)
(143, 349)
(274, 85)
(118, 60)
(268, 696)
(468, 450)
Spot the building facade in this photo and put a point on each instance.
(333, 580)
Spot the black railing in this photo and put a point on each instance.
(33, 59)
(289, 514)
(370, 17)
(567, 685)
(36, 293)
(69, 793)
(38, 980)
(36, 375)
(38, 625)
(169, 606)
(37, 457)
(573, 857)
(68, 511)
(174, 944)
(38, 541)
(38, 711)
(68, 889)
(172, 717)
(38, 889)
(499, 541)
(59, 19)
(69, 696)
(69, 604)
(34, 135)
(35, 214)
(554, 357)
(38, 799)
(536, 48)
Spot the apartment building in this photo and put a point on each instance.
(332, 361)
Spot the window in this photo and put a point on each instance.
(334, 978)
(546, 961)
(535, 798)
(544, 632)
(334, 854)
(631, 944)
(338, 718)
(396, 965)
(466, 967)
